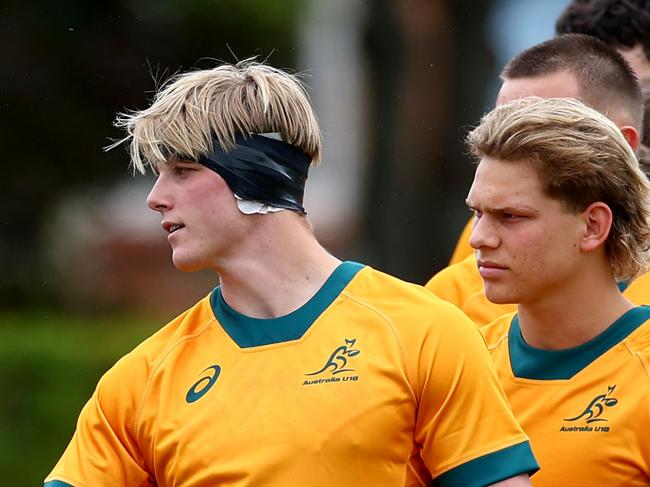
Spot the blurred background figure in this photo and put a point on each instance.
(623, 24)
(394, 84)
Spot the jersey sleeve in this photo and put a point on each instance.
(463, 249)
(455, 283)
(465, 428)
(103, 451)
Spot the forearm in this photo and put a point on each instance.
(522, 480)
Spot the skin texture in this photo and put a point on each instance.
(525, 241)
(532, 250)
(561, 84)
(518, 481)
(279, 249)
(189, 194)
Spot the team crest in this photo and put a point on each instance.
(337, 363)
(596, 407)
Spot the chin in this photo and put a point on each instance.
(187, 265)
(500, 297)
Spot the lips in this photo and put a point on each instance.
(489, 269)
(171, 227)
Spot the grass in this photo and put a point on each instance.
(49, 366)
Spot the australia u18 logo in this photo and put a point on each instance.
(593, 413)
(596, 407)
(337, 363)
(204, 384)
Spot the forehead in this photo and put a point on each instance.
(506, 184)
(561, 84)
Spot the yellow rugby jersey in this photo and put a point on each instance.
(639, 290)
(374, 381)
(463, 248)
(462, 285)
(586, 409)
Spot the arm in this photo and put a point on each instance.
(103, 451)
(465, 426)
(519, 481)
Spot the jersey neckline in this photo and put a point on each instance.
(533, 363)
(248, 332)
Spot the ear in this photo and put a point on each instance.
(631, 135)
(598, 222)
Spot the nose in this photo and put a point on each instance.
(484, 234)
(158, 199)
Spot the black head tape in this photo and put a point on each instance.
(262, 169)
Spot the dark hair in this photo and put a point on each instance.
(619, 23)
(606, 81)
(643, 152)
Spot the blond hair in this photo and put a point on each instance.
(581, 157)
(193, 107)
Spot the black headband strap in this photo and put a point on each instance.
(262, 169)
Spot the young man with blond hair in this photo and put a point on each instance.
(571, 65)
(562, 211)
(298, 369)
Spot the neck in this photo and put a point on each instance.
(277, 270)
(574, 314)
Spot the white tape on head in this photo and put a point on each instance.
(248, 207)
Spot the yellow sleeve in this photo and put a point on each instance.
(457, 282)
(466, 429)
(463, 249)
(639, 290)
(462, 285)
(103, 451)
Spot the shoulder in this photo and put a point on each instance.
(132, 372)
(398, 299)
(422, 324)
(497, 331)
(638, 342)
(463, 248)
(456, 282)
(639, 290)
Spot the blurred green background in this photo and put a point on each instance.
(85, 273)
(49, 365)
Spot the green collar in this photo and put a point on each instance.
(254, 332)
(532, 363)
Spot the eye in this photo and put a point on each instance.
(477, 213)
(182, 170)
(510, 216)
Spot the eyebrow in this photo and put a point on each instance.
(504, 209)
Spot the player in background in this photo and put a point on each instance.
(624, 25)
(570, 65)
(298, 369)
(562, 214)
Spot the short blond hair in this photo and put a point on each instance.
(581, 157)
(193, 107)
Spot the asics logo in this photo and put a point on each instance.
(203, 385)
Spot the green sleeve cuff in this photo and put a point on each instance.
(491, 468)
